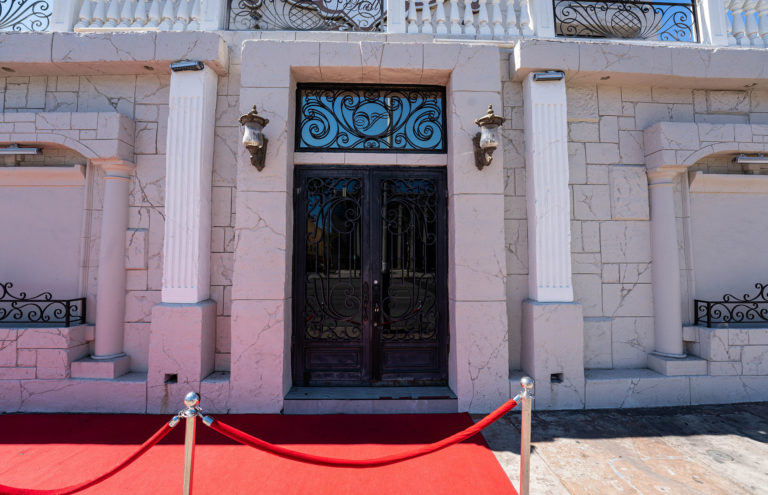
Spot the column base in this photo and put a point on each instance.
(181, 351)
(106, 368)
(673, 366)
(553, 353)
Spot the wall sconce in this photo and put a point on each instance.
(253, 137)
(487, 140)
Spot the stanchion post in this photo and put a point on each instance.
(526, 396)
(191, 401)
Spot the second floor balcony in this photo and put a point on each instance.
(741, 23)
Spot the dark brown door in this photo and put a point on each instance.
(369, 285)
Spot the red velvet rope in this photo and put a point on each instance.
(159, 435)
(246, 439)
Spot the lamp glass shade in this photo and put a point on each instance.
(252, 136)
(489, 136)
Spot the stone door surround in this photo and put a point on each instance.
(261, 292)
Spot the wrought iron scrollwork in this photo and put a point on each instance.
(409, 217)
(333, 273)
(25, 15)
(307, 15)
(746, 310)
(42, 308)
(630, 20)
(370, 118)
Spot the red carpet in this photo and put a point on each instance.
(51, 451)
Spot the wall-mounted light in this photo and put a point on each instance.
(14, 149)
(253, 137)
(752, 159)
(487, 140)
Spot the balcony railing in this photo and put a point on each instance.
(741, 23)
(39, 309)
(660, 21)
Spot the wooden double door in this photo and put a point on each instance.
(369, 276)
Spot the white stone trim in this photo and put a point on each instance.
(188, 165)
(400, 159)
(729, 183)
(73, 176)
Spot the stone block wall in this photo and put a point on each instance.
(730, 351)
(143, 98)
(610, 206)
(41, 353)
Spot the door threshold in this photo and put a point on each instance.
(370, 400)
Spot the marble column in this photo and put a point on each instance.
(183, 331)
(110, 295)
(553, 325)
(665, 266)
(188, 164)
(547, 195)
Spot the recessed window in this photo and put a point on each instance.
(368, 118)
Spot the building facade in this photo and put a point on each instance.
(361, 252)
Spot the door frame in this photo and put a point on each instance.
(372, 353)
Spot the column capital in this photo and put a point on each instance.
(664, 175)
(115, 167)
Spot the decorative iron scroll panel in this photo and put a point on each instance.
(25, 15)
(39, 309)
(662, 21)
(368, 118)
(370, 285)
(306, 15)
(734, 310)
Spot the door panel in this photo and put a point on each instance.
(370, 284)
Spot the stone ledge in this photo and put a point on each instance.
(109, 53)
(619, 388)
(633, 63)
(100, 368)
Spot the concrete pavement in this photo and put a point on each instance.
(719, 449)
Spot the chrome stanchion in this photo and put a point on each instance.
(526, 398)
(191, 401)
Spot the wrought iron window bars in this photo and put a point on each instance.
(370, 118)
(25, 15)
(745, 310)
(42, 308)
(307, 15)
(662, 21)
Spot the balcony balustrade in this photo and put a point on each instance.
(738, 23)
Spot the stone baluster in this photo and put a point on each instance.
(497, 29)
(167, 16)
(153, 15)
(194, 17)
(126, 14)
(412, 18)
(426, 17)
(182, 16)
(739, 29)
(113, 14)
(525, 19)
(469, 19)
(511, 28)
(440, 26)
(762, 15)
(483, 26)
(750, 11)
(728, 23)
(84, 16)
(140, 14)
(99, 14)
(455, 18)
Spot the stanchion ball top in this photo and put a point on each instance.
(526, 382)
(191, 399)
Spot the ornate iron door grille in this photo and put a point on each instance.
(662, 21)
(25, 15)
(369, 285)
(370, 118)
